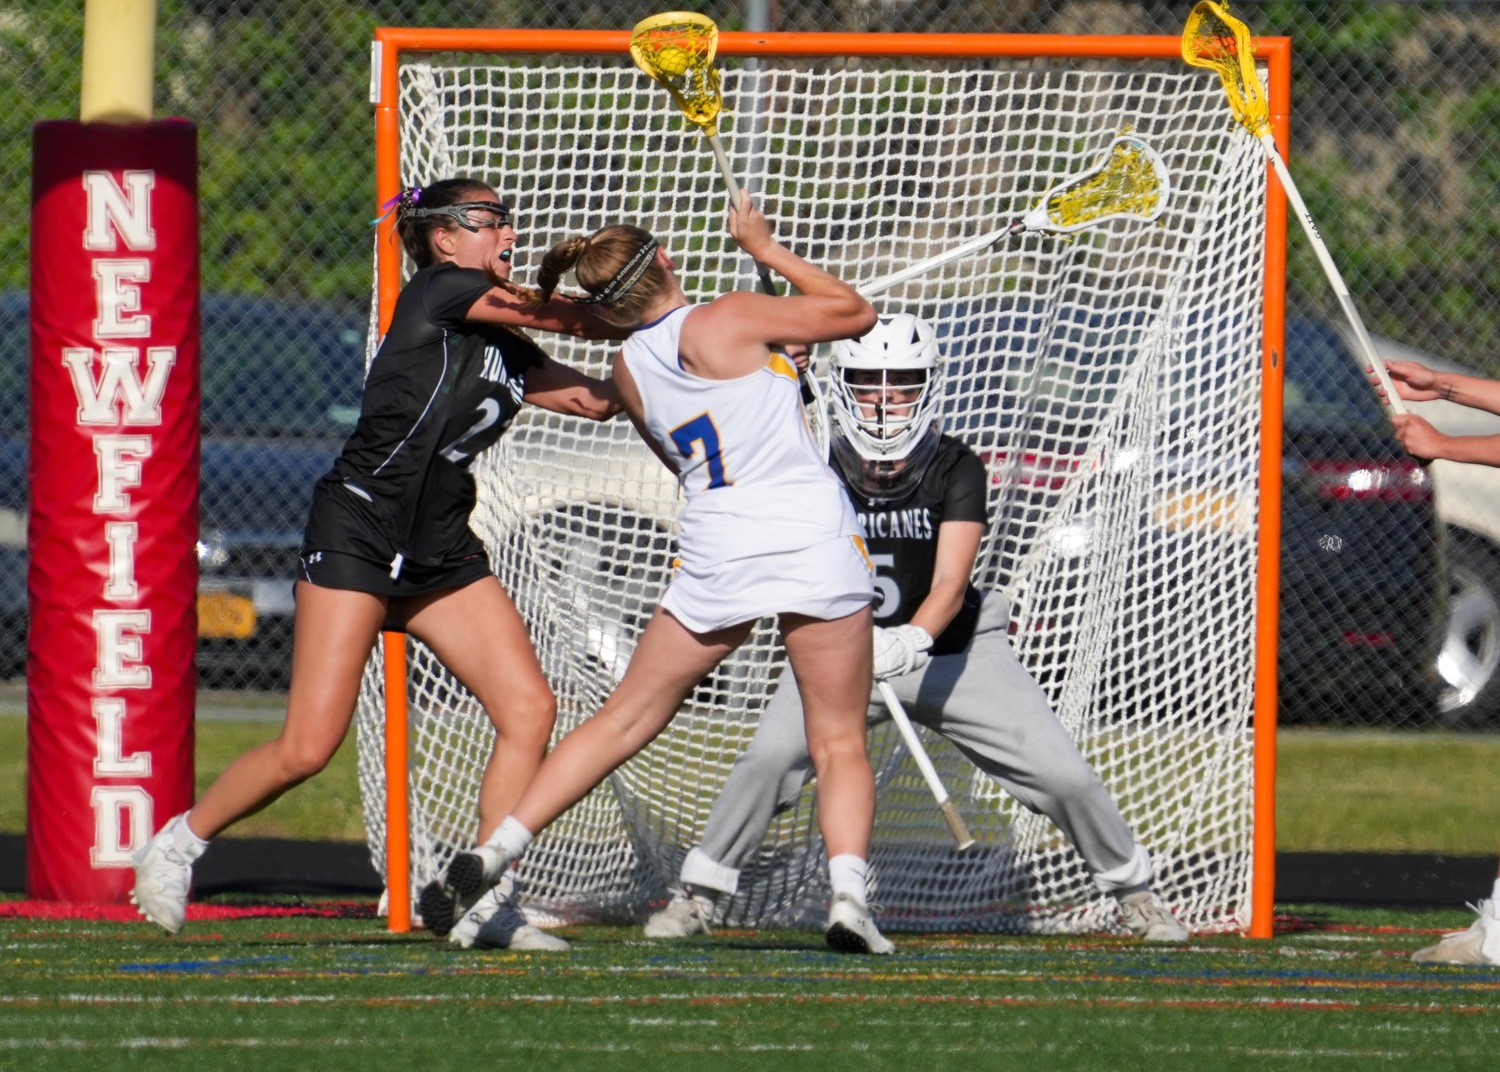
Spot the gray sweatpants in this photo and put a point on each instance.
(982, 700)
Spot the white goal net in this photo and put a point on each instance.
(1109, 378)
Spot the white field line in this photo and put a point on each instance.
(654, 1046)
(1414, 1004)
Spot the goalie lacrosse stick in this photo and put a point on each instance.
(1214, 39)
(676, 49)
(1131, 182)
(955, 821)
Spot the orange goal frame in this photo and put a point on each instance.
(390, 43)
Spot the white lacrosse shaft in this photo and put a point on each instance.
(955, 821)
(1340, 289)
(767, 284)
(911, 271)
(1039, 219)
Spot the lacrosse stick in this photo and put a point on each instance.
(677, 49)
(1131, 182)
(955, 821)
(1217, 40)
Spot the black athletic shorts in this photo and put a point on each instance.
(334, 569)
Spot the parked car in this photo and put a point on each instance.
(281, 390)
(1362, 559)
(1468, 503)
(1363, 563)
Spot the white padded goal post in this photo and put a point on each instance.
(1112, 380)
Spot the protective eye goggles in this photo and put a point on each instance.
(492, 214)
(875, 380)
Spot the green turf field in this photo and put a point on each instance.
(1334, 990)
(1337, 790)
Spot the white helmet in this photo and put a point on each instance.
(881, 447)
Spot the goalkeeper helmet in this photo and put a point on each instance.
(886, 386)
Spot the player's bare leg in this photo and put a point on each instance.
(336, 630)
(831, 660)
(832, 663)
(480, 638)
(667, 663)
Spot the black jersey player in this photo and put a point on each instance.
(939, 642)
(388, 543)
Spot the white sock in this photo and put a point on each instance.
(847, 874)
(511, 838)
(703, 872)
(189, 844)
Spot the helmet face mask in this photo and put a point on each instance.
(886, 386)
(885, 481)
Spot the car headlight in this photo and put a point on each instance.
(1071, 539)
(12, 528)
(213, 551)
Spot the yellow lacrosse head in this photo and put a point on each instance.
(677, 48)
(1128, 184)
(1215, 39)
(1131, 182)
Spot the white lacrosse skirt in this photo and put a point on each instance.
(828, 580)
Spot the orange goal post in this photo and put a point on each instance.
(1121, 382)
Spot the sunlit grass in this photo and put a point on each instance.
(1337, 790)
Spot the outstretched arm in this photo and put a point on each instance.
(1415, 382)
(1421, 440)
(562, 389)
(562, 315)
(730, 336)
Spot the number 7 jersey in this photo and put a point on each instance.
(753, 480)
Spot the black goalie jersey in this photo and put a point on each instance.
(902, 539)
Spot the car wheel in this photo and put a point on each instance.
(1469, 662)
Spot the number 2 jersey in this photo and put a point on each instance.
(439, 391)
(753, 481)
(901, 535)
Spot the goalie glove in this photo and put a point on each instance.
(900, 649)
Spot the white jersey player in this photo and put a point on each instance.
(755, 487)
(939, 643)
(765, 530)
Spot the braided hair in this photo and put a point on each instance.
(615, 265)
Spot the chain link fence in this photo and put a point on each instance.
(1392, 572)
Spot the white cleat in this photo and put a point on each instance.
(163, 876)
(686, 914)
(851, 928)
(1149, 919)
(1479, 944)
(443, 902)
(496, 923)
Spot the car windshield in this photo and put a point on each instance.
(1323, 379)
(273, 370)
(269, 370)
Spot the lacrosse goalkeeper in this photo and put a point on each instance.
(765, 528)
(938, 642)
